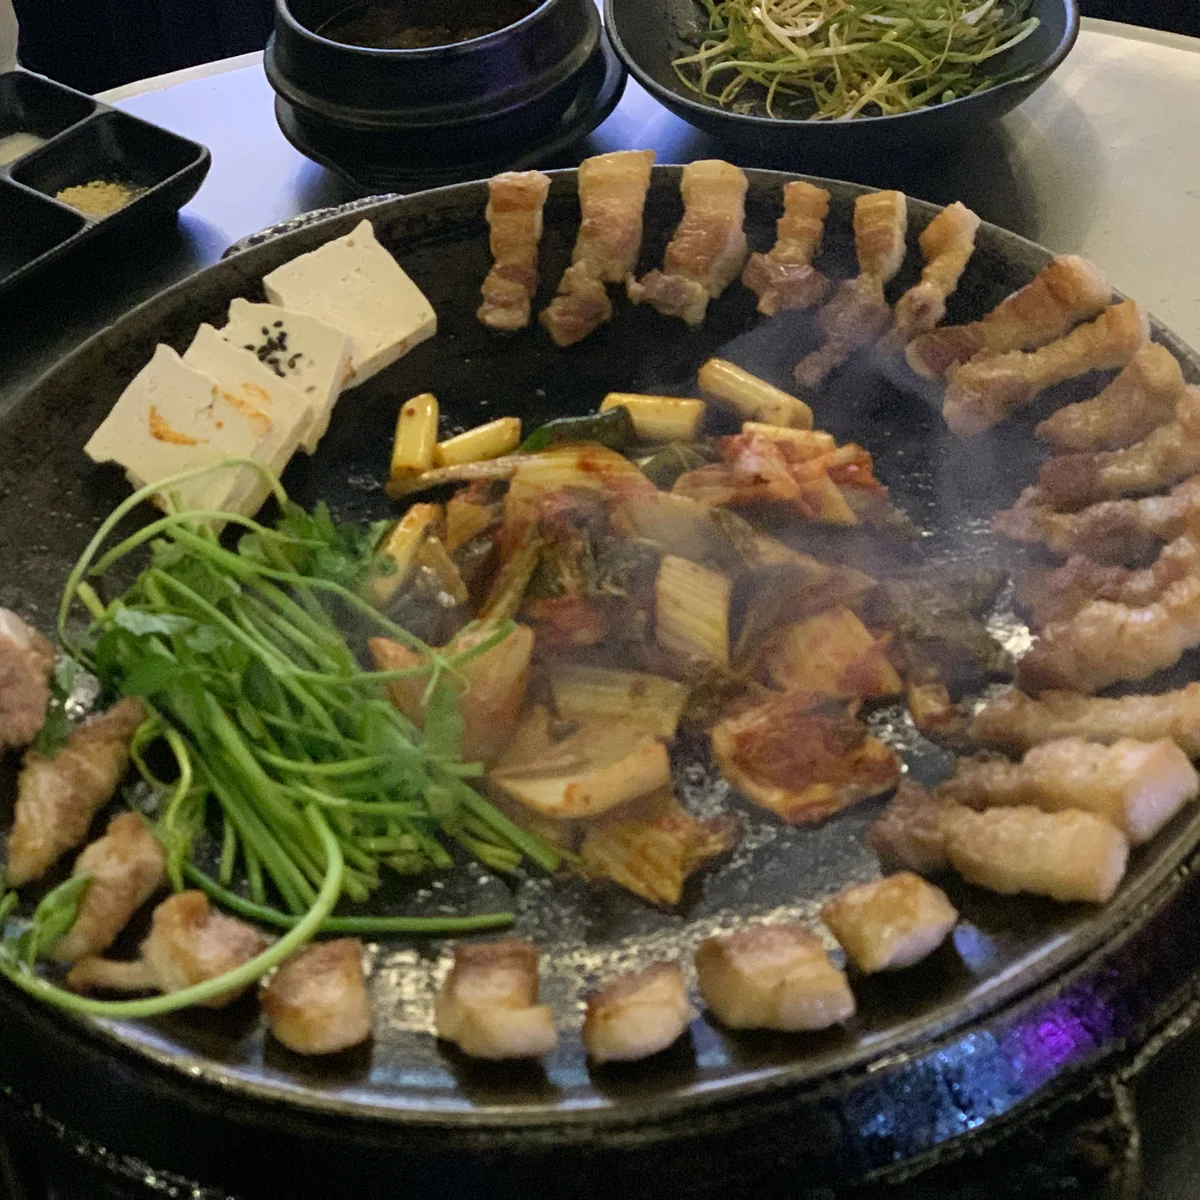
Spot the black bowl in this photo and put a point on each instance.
(649, 34)
(435, 106)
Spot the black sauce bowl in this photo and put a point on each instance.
(649, 34)
(433, 105)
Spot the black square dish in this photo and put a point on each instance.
(31, 227)
(76, 142)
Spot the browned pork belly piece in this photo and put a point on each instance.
(514, 216)
(637, 1015)
(189, 943)
(495, 683)
(1014, 721)
(772, 977)
(947, 243)
(317, 1002)
(488, 1003)
(910, 833)
(880, 226)
(127, 866)
(58, 797)
(1137, 786)
(708, 248)
(982, 392)
(800, 762)
(1115, 531)
(1141, 398)
(785, 278)
(1049, 594)
(1165, 456)
(858, 312)
(1068, 856)
(580, 306)
(890, 923)
(26, 660)
(1063, 293)
(1106, 643)
(612, 197)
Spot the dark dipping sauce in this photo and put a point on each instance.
(420, 24)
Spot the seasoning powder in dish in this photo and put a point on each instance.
(100, 197)
(16, 145)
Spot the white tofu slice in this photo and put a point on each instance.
(355, 285)
(172, 418)
(281, 415)
(310, 355)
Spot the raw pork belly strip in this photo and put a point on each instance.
(514, 216)
(1164, 457)
(858, 313)
(1057, 594)
(708, 249)
(785, 278)
(1015, 721)
(1063, 293)
(1118, 531)
(982, 392)
(1141, 398)
(947, 243)
(612, 199)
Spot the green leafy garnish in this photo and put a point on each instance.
(838, 59)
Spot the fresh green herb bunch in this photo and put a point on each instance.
(278, 734)
(838, 59)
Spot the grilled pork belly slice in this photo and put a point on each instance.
(890, 923)
(772, 977)
(317, 1002)
(911, 833)
(612, 199)
(982, 392)
(26, 660)
(947, 243)
(127, 866)
(785, 278)
(1120, 531)
(1106, 643)
(1141, 398)
(1049, 594)
(799, 762)
(1164, 457)
(1137, 786)
(1063, 293)
(858, 313)
(1068, 856)
(708, 248)
(637, 1015)
(514, 217)
(189, 943)
(58, 797)
(495, 683)
(1015, 722)
(488, 1003)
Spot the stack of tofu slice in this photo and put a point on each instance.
(266, 384)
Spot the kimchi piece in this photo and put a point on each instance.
(800, 760)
